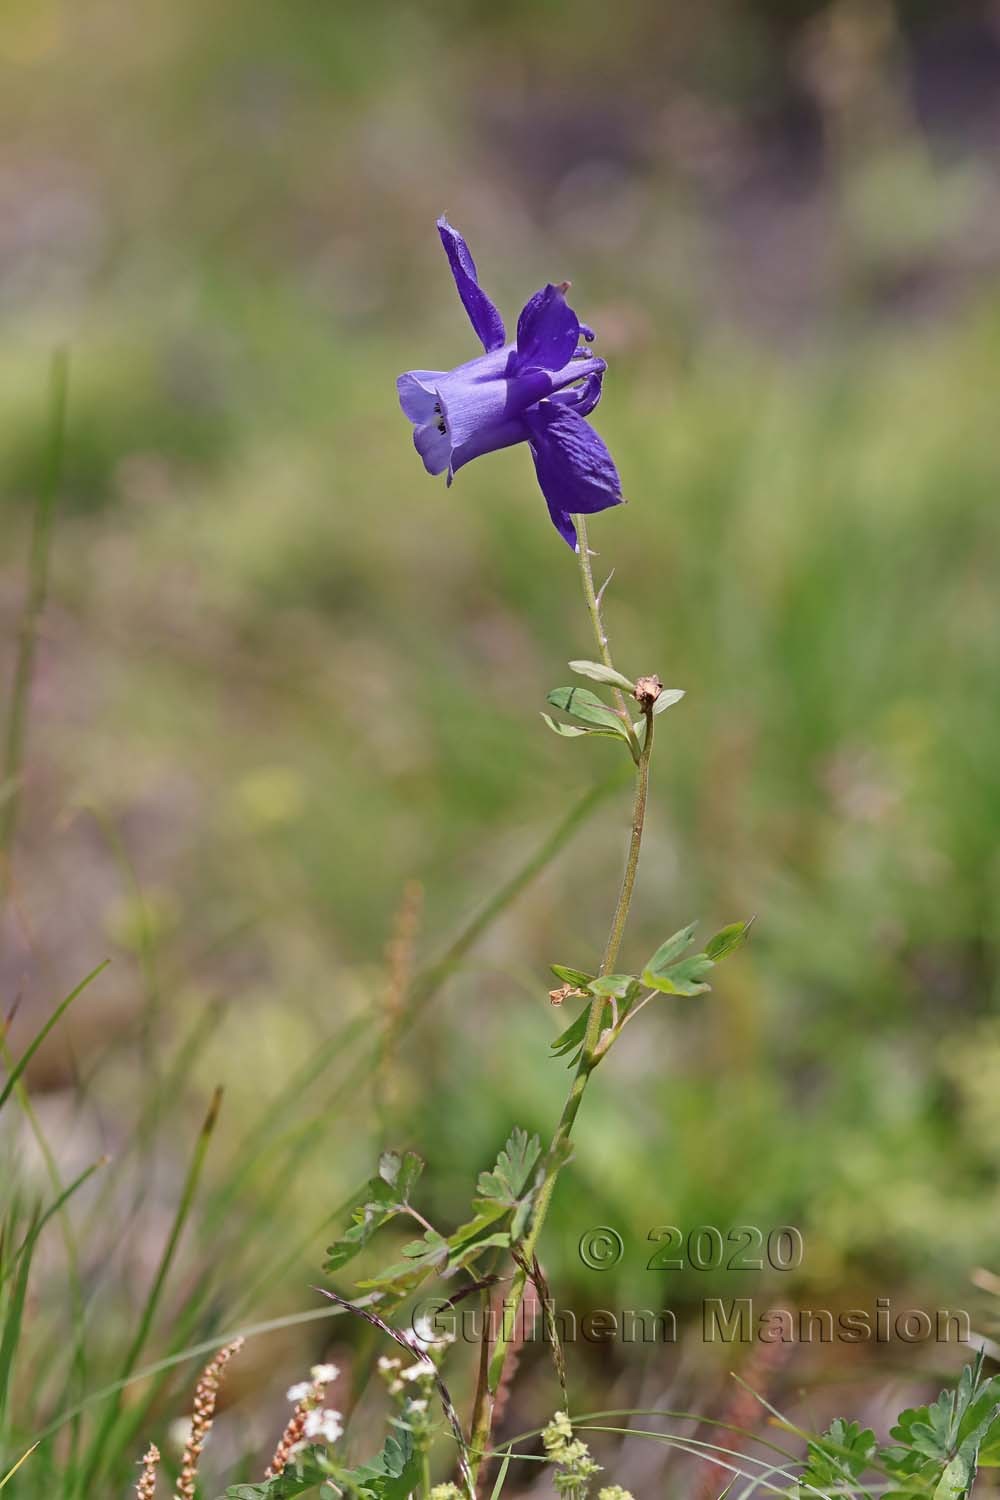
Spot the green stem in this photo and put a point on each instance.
(594, 610)
(589, 1057)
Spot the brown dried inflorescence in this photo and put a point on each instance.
(647, 690)
(564, 992)
(146, 1488)
(206, 1395)
(294, 1436)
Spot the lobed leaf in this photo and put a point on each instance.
(684, 978)
(514, 1165)
(382, 1198)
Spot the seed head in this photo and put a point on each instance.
(647, 690)
(206, 1394)
(146, 1488)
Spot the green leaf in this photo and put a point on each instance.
(576, 977)
(955, 1481)
(668, 697)
(464, 1256)
(422, 1256)
(586, 706)
(943, 1444)
(392, 1475)
(490, 1210)
(382, 1198)
(568, 731)
(670, 951)
(616, 986)
(600, 673)
(513, 1167)
(728, 940)
(305, 1475)
(838, 1458)
(685, 978)
(572, 1037)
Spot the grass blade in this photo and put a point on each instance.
(38, 587)
(498, 1487)
(53, 1020)
(11, 1472)
(101, 1448)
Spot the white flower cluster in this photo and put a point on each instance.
(315, 1423)
(397, 1377)
(323, 1425)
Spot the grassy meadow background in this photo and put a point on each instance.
(284, 739)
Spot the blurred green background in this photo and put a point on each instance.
(284, 675)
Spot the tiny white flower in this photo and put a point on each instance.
(418, 1405)
(297, 1393)
(324, 1374)
(427, 1336)
(419, 1371)
(324, 1424)
(385, 1364)
(395, 1387)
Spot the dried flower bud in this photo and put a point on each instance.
(647, 690)
(565, 992)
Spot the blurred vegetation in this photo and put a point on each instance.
(283, 674)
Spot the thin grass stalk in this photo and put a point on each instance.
(102, 1450)
(171, 1361)
(34, 607)
(54, 1019)
(78, 1361)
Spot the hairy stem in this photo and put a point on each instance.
(558, 1151)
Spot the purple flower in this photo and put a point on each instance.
(537, 390)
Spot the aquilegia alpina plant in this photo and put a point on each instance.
(540, 390)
